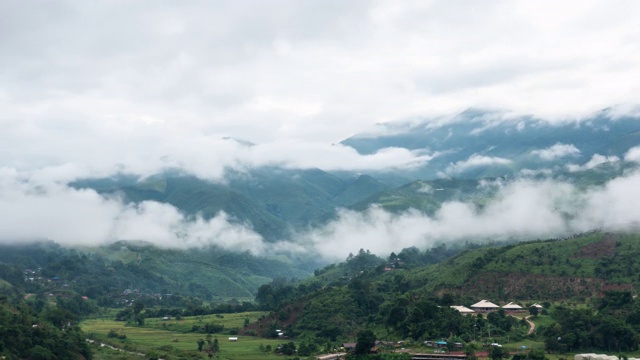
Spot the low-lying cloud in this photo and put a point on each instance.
(522, 210)
(595, 160)
(35, 208)
(475, 160)
(557, 151)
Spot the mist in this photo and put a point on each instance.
(39, 207)
(522, 210)
(33, 209)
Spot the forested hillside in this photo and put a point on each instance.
(104, 273)
(408, 294)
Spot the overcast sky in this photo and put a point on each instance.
(90, 88)
(141, 85)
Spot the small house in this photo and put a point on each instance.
(512, 307)
(462, 309)
(484, 306)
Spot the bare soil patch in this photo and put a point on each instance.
(605, 247)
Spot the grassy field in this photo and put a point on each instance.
(184, 325)
(175, 345)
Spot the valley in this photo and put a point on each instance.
(282, 263)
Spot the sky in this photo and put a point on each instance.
(100, 87)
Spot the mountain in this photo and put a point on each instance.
(423, 195)
(469, 148)
(272, 200)
(477, 144)
(105, 272)
(410, 294)
(576, 267)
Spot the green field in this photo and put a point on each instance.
(185, 325)
(177, 345)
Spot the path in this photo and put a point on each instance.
(116, 349)
(532, 326)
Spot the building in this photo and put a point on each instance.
(484, 306)
(512, 307)
(462, 309)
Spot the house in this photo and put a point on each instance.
(536, 305)
(484, 306)
(462, 309)
(512, 307)
(233, 338)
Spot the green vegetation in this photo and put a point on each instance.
(105, 273)
(170, 344)
(398, 299)
(51, 333)
(402, 297)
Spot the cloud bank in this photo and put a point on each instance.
(522, 210)
(33, 209)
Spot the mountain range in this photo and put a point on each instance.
(473, 147)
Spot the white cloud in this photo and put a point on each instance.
(93, 89)
(41, 209)
(145, 82)
(522, 210)
(596, 160)
(612, 206)
(633, 155)
(557, 151)
(476, 160)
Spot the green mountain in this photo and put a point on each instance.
(408, 295)
(104, 273)
(423, 195)
(272, 200)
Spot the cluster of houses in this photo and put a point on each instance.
(484, 306)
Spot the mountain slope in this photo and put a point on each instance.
(581, 266)
(208, 273)
(512, 144)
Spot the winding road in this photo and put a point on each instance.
(532, 326)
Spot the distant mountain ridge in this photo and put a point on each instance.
(475, 145)
(506, 146)
(273, 200)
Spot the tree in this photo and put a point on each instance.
(470, 351)
(288, 348)
(200, 344)
(533, 310)
(498, 353)
(213, 346)
(366, 339)
(138, 307)
(216, 345)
